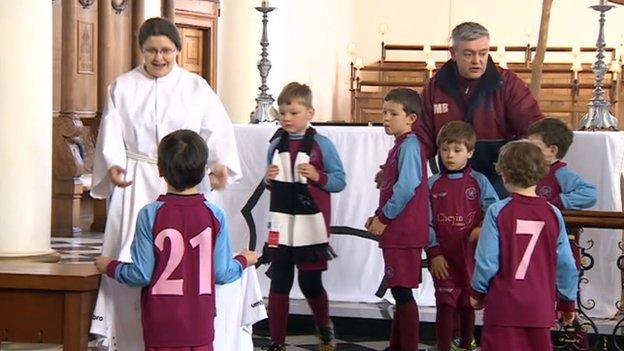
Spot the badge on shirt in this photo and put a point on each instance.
(440, 108)
(273, 239)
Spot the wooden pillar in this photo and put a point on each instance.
(542, 42)
(78, 101)
(115, 47)
(168, 9)
(138, 16)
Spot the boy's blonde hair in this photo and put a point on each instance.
(295, 92)
(457, 132)
(522, 163)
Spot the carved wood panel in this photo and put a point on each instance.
(191, 57)
(203, 16)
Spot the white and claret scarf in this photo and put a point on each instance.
(294, 219)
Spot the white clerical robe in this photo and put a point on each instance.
(140, 110)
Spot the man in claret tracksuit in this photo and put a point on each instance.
(469, 87)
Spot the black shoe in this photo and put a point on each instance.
(275, 347)
(326, 334)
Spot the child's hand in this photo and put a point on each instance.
(379, 177)
(476, 304)
(101, 263)
(368, 222)
(439, 267)
(271, 173)
(474, 234)
(218, 177)
(251, 256)
(376, 227)
(568, 317)
(308, 171)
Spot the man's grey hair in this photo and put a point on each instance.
(468, 31)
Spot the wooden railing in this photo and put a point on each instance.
(564, 94)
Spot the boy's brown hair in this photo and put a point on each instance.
(521, 163)
(295, 92)
(553, 131)
(409, 98)
(458, 132)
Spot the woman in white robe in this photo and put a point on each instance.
(143, 106)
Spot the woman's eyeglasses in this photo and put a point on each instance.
(164, 52)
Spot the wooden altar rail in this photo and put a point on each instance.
(561, 96)
(411, 83)
(594, 219)
(416, 66)
(528, 50)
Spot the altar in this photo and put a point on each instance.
(356, 273)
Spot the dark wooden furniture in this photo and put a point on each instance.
(47, 303)
(562, 95)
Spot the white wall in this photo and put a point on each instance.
(238, 52)
(307, 41)
(309, 38)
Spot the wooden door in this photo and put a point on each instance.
(191, 57)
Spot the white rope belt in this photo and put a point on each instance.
(139, 157)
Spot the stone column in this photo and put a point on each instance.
(26, 130)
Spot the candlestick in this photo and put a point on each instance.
(598, 117)
(264, 111)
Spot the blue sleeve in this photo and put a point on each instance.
(227, 269)
(139, 272)
(488, 194)
(567, 275)
(410, 176)
(576, 193)
(272, 147)
(333, 165)
(488, 251)
(433, 241)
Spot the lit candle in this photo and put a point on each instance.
(615, 68)
(528, 32)
(576, 51)
(576, 68)
(383, 29)
(431, 65)
(351, 49)
(359, 63)
(427, 51)
(500, 51)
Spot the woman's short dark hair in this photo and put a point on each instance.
(522, 163)
(159, 26)
(182, 157)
